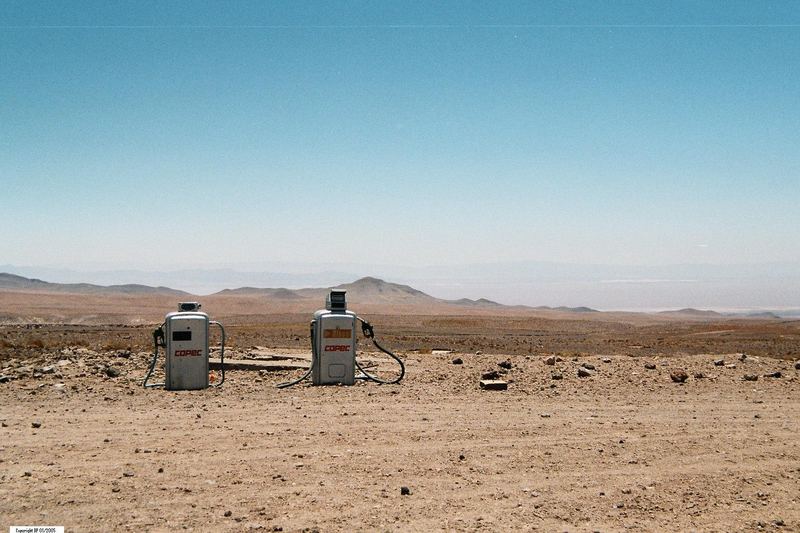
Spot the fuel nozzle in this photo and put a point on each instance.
(367, 329)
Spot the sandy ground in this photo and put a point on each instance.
(623, 449)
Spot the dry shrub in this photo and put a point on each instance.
(35, 343)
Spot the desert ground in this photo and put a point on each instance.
(83, 445)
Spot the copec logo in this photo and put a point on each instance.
(337, 348)
(188, 353)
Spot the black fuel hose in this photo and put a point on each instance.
(157, 334)
(368, 331)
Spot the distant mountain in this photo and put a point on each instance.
(19, 283)
(689, 311)
(480, 302)
(568, 309)
(278, 294)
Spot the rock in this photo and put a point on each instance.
(5, 379)
(606, 359)
(226, 513)
(731, 366)
(650, 366)
(797, 365)
(742, 357)
(461, 457)
(679, 376)
(47, 369)
(479, 352)
(699, 375)
(492, 374)
(588, 366)
(773, 375)
(112, 372)
(545, 415)
(584, 373)
(458, 361)
(127, 474)
(719, 362)
(750, 377)
(505, 364)
(494, 384)
(778, 522)
(124, 353)
(405, 491)
(36, 425)
(550, 360)
(26, 474)
(60, 387)
(556, 375)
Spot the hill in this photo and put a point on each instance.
(20, 283)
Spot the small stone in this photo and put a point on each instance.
(505, 364)
(679, 376)
(124, 353)
(461, 457)
(112, 372)
(405, 491)
(26, 474)
(458, 361)
(742, 357)
(584, 373)
(778, 522)
(606, 359)
(227, 513)
(797, 365)
(773, 375)
(127, 474)
(550, 360)
(5, 379)
(750, 377)
(650, 366)
(114, 489)
(492, 374)
(160, 470)
(479, 352)
(699, 375)
(545, 415)
(588, 366)
(493, 384)
(47, 369)
(557, 375)
(719, 362)
(731, 366)
(36, 424)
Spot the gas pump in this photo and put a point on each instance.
(333, 346)
(184, 337)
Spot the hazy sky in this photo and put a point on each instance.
(167, 134)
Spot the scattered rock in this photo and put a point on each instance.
(679, 376)
(492, 374)
(405, 491)
(26, 474)
(550, 360)
(742, 357)
(719, 362)
(584, 373)
(731, 366)
(127, 474)
(461, 457)
(47, 369)
(479, 352)
(545, 415)
(750, 377)
(699, 375)
(797, 365)
(458, 361)
(650, 366)
(505, 364)
(124, 353)
(36, 424)
(556, 375)
(5, 379)
(227, 513)
(588, 366)
(606, 359)
(778, 522)
(112, 372)
(773, 375)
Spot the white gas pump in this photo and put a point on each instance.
(184, 336)
(333, 346)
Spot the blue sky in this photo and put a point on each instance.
(179, 134)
